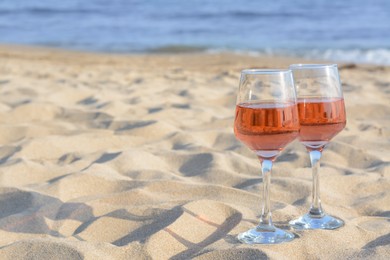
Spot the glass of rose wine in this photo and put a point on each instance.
(266, 121)
(322, 116)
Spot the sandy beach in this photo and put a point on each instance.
(134, 157)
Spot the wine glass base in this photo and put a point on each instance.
(309, 222)
(253, 236)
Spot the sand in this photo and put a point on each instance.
(134, 157)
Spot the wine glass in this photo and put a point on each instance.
(322, 116)
(266, 121)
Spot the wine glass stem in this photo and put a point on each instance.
(316, 209)
(265, 218)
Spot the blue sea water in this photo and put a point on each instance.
(344, 30)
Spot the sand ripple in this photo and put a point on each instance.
(112, 157)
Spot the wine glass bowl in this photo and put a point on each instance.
(266, 120)
(266, 114)
(321, 119)
(322, 116)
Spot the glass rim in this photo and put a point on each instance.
(301, 66)
(265, 71)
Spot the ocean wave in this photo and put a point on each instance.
(378, 56)
(372, 56)
(53, 11)
(230, 14)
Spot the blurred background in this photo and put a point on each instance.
(346, 30)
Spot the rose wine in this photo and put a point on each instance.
(320, 118)
(266, 126)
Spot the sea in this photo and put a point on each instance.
(336, 30)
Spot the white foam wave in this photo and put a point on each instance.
(373, 56)
(380, 56)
